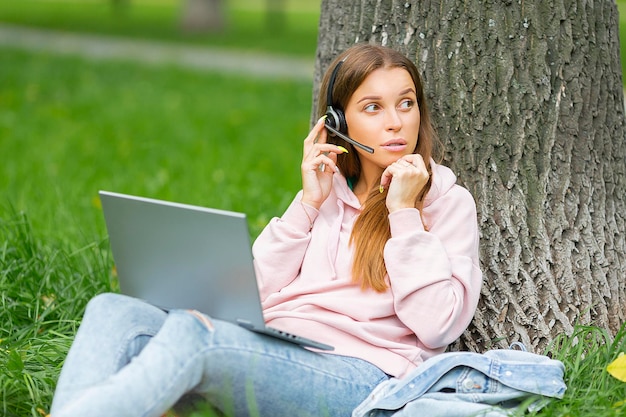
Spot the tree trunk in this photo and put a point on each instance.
(276, 15)
(203, 16)
(527, 98)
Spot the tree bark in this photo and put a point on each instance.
(527, 98)
(203, 16)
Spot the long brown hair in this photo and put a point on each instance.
(371, 230)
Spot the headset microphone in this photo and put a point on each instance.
(335, 132)
(336, 119)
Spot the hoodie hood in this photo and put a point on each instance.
(443, 180)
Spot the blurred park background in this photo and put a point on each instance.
(71, 125)
(284, 26)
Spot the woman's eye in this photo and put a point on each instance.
(407, 104)
(371, 108)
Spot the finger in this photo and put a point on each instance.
(324, 148)
(318, 133)
(395, 168)
(330, 148)
(401, 165)
(324, 163)
(415, 159)
(322, 166)
(313, 162)
(416, 169)
(420, 166)
(385, 178)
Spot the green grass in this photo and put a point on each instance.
(69, 128)
(247, 22)
(44, 290)
(591, 390)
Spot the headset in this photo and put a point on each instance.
(335, 118)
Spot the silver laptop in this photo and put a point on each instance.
(178, 256)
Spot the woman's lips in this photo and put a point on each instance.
(394, 145)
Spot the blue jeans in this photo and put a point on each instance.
(132, 359)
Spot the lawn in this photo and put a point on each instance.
(69, 127)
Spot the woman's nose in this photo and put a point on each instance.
(392, 120)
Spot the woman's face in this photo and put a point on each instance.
(383, 113)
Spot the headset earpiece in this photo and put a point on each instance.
(334, 117)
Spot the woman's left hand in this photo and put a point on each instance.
(404, 179)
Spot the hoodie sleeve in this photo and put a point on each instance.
(280, 248)
(435, 275)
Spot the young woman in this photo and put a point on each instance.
(376, 256)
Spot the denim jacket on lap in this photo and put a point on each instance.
(467, 384)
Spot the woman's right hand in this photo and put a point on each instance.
(319, 163)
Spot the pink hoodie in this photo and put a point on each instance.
(306, 284)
